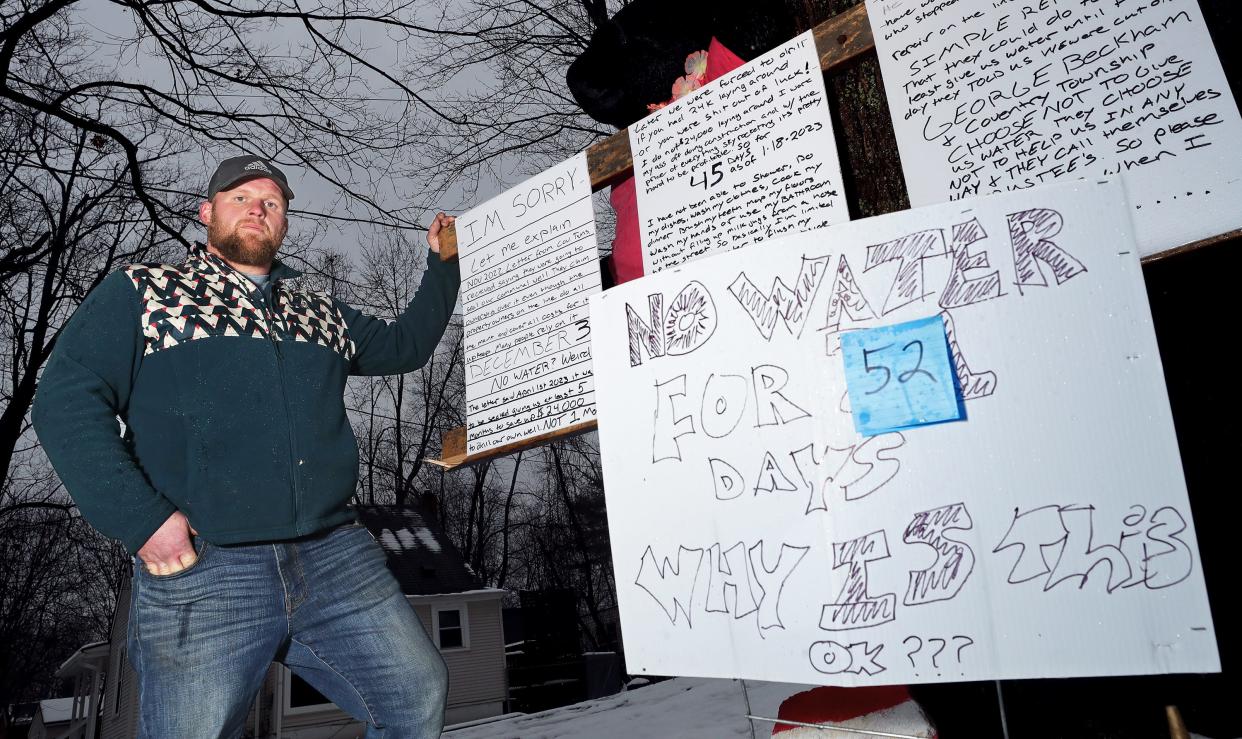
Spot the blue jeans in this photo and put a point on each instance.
(326, 606)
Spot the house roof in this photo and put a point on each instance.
(56, 710)
(89, 657)
(684, 707)
(420, 555)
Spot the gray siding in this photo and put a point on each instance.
(120, 717)
(477, 674)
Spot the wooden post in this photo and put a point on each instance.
(1177, 727)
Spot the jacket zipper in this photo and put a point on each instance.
(270, 317)
(294, 460)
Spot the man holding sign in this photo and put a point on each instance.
(231, 479)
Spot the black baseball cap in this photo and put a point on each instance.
(235, 169)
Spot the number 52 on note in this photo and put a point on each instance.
(900, 376)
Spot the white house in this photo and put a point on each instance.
(461, 616)
(51, 718)
(77, 716)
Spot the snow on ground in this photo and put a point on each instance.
(682, 708)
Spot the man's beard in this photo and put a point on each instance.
(238, 247)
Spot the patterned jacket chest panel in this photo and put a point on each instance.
(313, 318)
(183, 303)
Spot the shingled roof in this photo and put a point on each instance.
(421, 557)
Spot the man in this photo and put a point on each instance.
(231, 479)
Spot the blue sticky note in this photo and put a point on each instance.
(900, 376)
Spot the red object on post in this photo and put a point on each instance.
(888, 709)
(627, 258)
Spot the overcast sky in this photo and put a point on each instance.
(107, 24)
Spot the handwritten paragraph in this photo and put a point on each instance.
(529, 262)
(745, 158)
(997, 95)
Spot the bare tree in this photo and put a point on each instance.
(301, 83)
(364, 400)
(59, 578)
(553, 533)
(578, 481)
(507, 523)
(76, 222)
(97, 123)
(68, 217)
(399, 420)
(518, 116)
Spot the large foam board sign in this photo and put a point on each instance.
(529, 261)
(990, 96)
(756, 534)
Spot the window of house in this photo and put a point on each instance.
(449, 624)
(116, 679)
(302, 695)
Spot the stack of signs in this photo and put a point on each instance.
(993, 96)
(747, 157)
(1046, 532)
(529, 262)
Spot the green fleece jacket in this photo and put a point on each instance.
(232, 398)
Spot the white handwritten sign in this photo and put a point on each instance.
(747, 157)
(995, 95)
(529, 262)
(755, 534)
